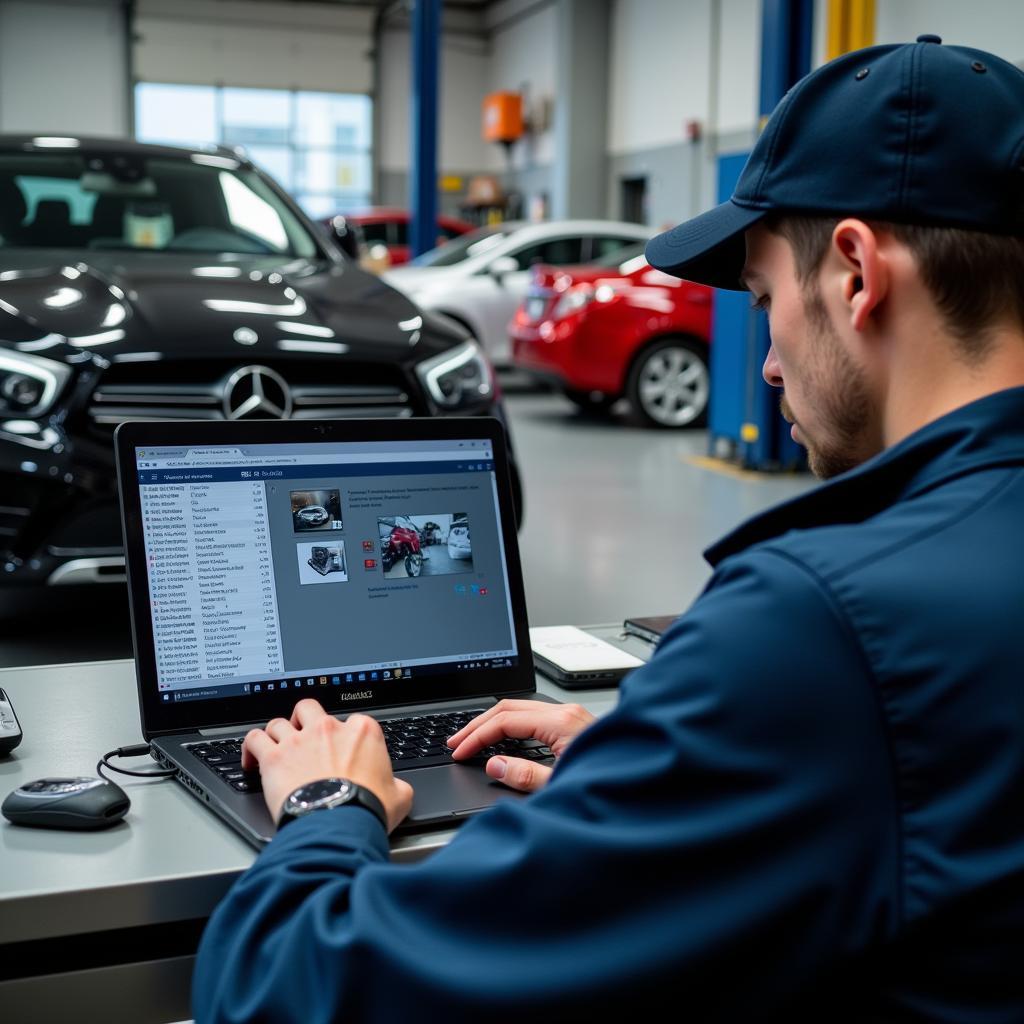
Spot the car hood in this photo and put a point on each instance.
(409, 279)
(119, 303)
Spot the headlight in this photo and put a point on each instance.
(459, 377)
(29, 385)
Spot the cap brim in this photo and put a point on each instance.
(708, 249)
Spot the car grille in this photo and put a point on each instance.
(195, 391)
(19, 500)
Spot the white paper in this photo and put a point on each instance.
(574, 650)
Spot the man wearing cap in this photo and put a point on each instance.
(809, 804)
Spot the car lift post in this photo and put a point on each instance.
(744, 409)
(426, 45)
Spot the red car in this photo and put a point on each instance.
(601, 333)
(382, 225)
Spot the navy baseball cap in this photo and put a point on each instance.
(916, 133)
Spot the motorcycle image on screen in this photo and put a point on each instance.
(399, 538)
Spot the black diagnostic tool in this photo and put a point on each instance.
(10, 728)
(78, 803)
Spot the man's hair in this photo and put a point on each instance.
(976, 279)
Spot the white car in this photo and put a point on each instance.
(458, 541)
(312, 516)
(480, 278)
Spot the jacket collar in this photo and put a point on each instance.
(985, 433)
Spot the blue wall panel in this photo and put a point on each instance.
(730, 329)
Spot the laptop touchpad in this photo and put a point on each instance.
(452, 790)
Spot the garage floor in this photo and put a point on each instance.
(616, 518)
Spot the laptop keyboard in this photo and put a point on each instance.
(412, 743)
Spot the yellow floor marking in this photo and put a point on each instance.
(727, 468)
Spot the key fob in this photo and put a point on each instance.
(10, 728)
(67, 803)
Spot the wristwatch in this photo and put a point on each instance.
(326, 793)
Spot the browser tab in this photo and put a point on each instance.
(206, 453)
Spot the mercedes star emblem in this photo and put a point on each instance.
(256, 392)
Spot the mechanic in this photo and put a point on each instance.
(810, 802)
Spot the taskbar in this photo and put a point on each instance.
(311, 685)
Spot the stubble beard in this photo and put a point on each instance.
(837, 388)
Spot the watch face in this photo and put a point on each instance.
(316, 794)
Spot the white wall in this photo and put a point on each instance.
(270, 45)
(738, 68)
(523, 59)
(63, 68)
(665, 71)
(464, 63)
(519, 55)
(993, 25)
(659, 71)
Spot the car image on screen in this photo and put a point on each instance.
(458, 540)
(312, 515)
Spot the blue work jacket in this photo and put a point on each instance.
(809, 804)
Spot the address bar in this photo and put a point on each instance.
(326, 459)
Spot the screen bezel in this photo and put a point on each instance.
(161, 717)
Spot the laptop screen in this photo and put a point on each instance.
(322, 568)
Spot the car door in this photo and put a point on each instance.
(497, 304)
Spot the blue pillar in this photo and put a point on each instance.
(786, 27)
(426, 46)
(745, 410)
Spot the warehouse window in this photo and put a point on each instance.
(317, 145)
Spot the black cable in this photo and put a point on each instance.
(136, 750)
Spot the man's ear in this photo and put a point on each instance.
(862, 269)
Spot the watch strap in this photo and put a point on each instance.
(362, 797)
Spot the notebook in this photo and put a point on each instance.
(370, 564)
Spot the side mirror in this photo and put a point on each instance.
(502, 265)
(345, 236)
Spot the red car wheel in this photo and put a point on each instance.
(669, 384)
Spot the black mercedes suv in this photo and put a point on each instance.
(149, 282)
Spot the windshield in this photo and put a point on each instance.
(474, 243)
(195, 203)
(620, 256)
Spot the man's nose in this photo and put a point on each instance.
(771, 371)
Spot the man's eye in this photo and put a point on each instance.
(760, 304)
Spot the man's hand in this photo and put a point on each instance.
(555, 725)
(313, 746)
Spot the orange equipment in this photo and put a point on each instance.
(503, 117)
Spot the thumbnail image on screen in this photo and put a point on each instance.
(424, 545)
(316, 510)
(322, 563)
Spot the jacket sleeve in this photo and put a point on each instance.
(728, 833)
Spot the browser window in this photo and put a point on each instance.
(329, 564)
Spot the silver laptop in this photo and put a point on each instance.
(369, 564)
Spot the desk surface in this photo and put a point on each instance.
(169, 860)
